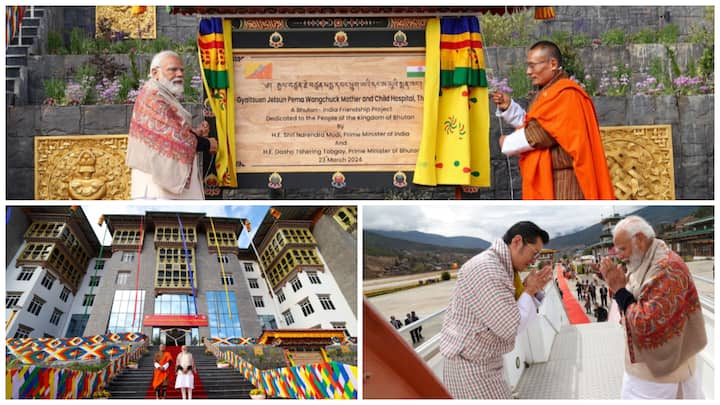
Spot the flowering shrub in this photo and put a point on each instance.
(686, 86)
(649, 86)
(107, 91)
(616, 82)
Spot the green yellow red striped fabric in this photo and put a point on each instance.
(211, 44)
(461, 56)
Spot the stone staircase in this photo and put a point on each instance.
(26, 42)
(218, 383)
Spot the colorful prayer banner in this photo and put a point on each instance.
(215, 53)
(310, 381)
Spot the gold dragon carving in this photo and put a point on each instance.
(81, 168)
(640, 160)
(122, 20)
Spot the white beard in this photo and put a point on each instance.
(635, 259)
(175, 88)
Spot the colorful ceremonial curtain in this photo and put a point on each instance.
(215, 52)
(13, 18)
(455, 146)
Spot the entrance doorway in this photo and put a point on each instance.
(176, 336)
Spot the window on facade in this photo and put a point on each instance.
(122, 277)
(126, 237)
(346, 217)
(23, 332)
(175, 304)
(55, 317)
(64, 294)
(227, 279)
(172, 268)
(338, 325)
(267, 322)
(253, 283)
(288, 317)
(11, 299)
(223, 259)
(48, 281)
(296, 284)
(222, 239)
(281, 296)
(127, 311)
(88, 300)
(325, 302)
(100, 264)
(306, 307)
(94, 281)
(36, 305)
(248, 267)
(36, 251)
(127, 257)
(219, 320)
(313, 276)
(26, 273)
(77, 325)
(258, 301)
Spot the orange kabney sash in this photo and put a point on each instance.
(576, 130)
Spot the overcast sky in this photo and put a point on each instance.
(488, 222)
(255, 213)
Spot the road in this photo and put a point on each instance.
(399, 281)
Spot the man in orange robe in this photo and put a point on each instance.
(161, 373)
(558, 139)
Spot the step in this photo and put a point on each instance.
(12, 72)
(31, 22)
(29, 31)
(17, 50)
(25, 41)
(16, 60)
(38, 12)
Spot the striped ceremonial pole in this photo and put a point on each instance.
(137, 275)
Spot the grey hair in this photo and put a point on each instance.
(634, 225)
(155, 63)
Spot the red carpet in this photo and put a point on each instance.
(172, 393)
(575, 312)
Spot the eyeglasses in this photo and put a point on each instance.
(536, 255)
(531, 65)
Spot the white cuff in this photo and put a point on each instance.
(514, 115)
(528, 311)
(516, 143)
(157, 365)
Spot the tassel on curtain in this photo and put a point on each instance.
(455, 146)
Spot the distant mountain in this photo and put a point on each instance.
(655, 215)
(459, 242)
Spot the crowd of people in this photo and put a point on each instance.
(587, 292)
(415, 333)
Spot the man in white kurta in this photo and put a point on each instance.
(488, 309)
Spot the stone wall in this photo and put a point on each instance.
(691, 118)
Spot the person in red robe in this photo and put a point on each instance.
(161, 373)
(558, 139)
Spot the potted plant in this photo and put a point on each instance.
(257, 393)
(102, 393)
(222, 363)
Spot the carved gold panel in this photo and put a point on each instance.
(89, 167)
(122, 20)
(640, 159)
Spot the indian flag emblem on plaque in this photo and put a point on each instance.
(415, 69)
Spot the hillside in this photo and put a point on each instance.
(655, 215)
